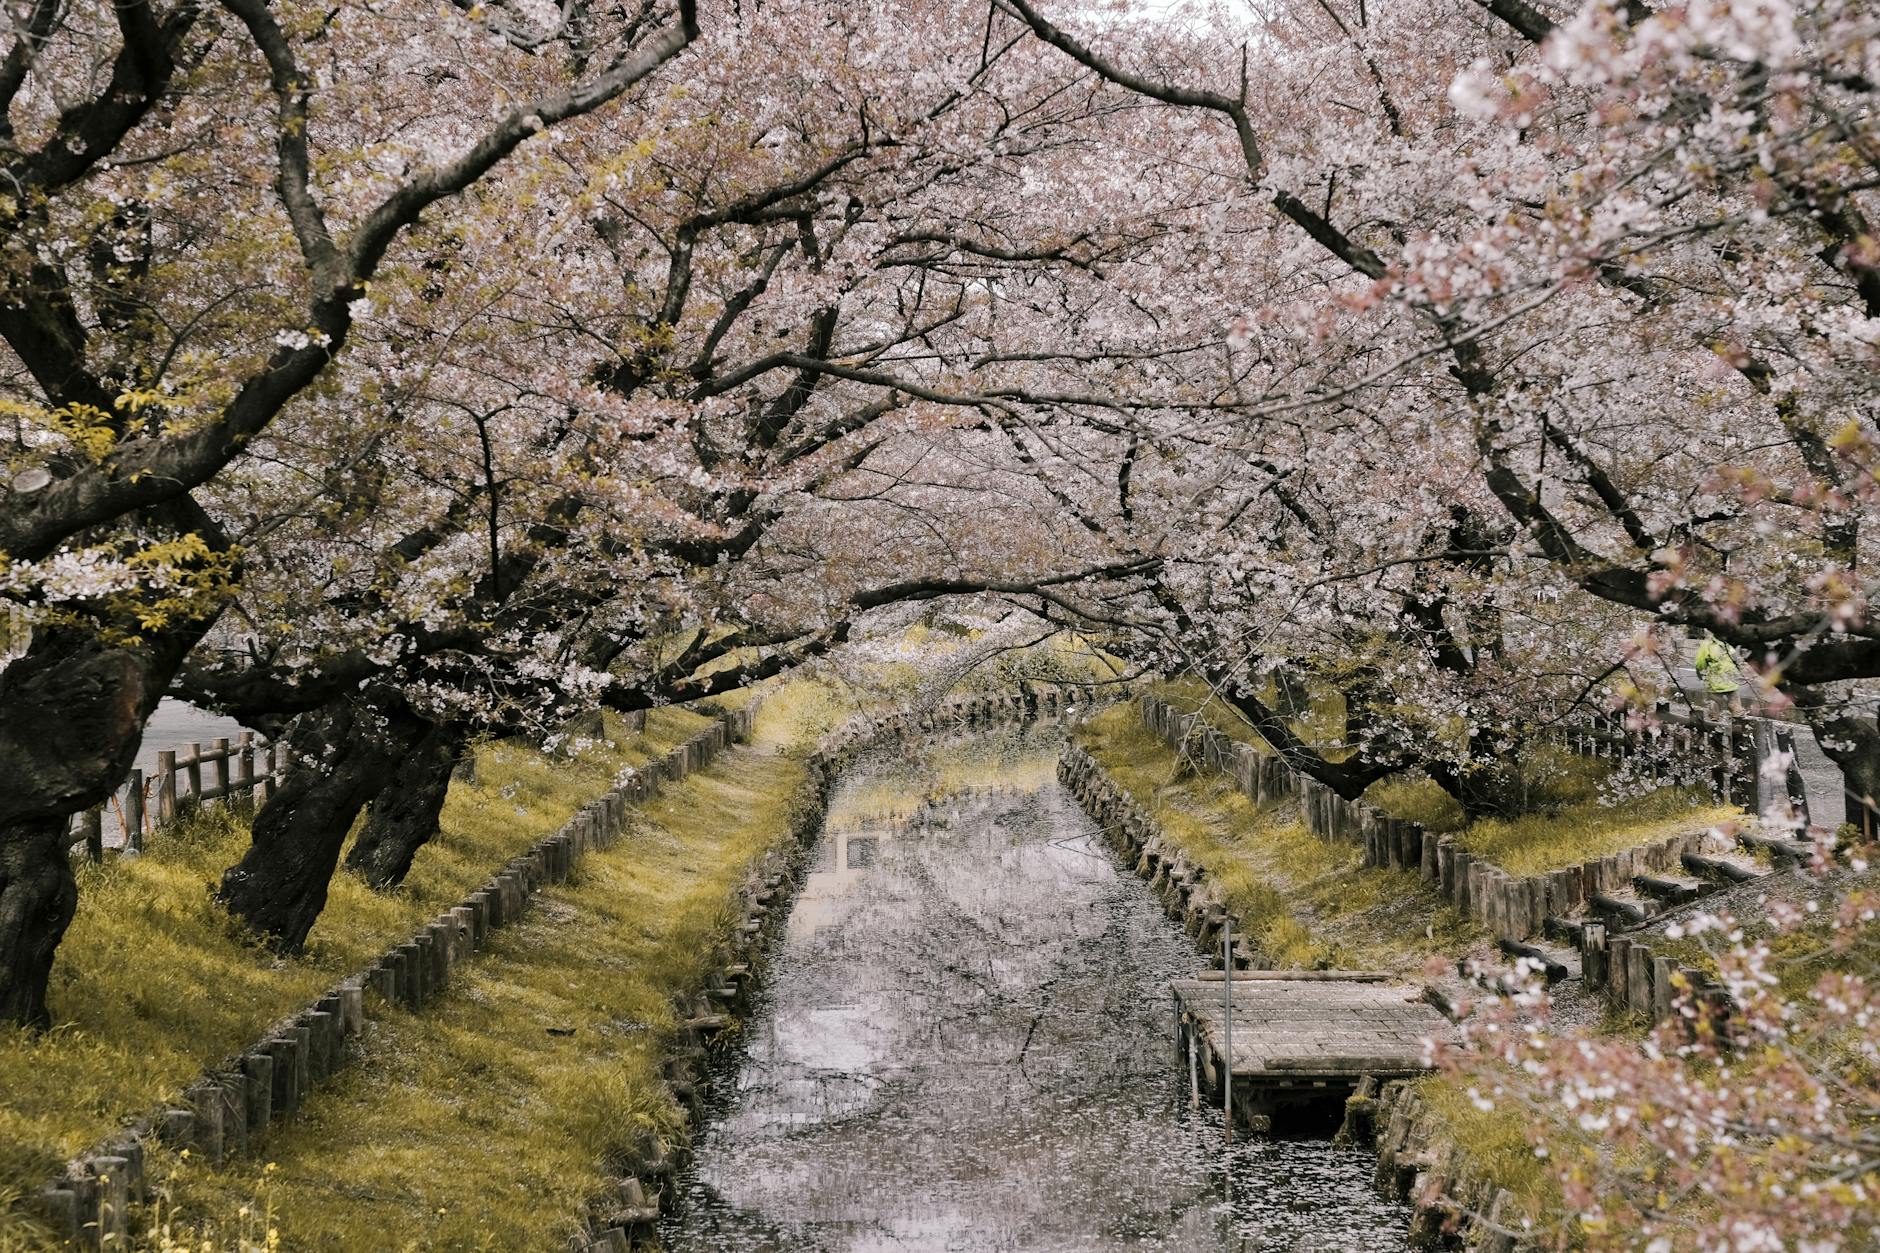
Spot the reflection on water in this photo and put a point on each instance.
(966, 1045)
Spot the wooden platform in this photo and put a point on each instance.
(1301, 1036)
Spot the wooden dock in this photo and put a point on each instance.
(1300, 1037)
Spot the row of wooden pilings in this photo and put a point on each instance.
(229, 1110)
(858, 732)
(1181, 885)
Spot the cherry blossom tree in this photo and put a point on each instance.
(190, 238)
(1481, 300)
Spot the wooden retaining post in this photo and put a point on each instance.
(134, 813)
(1593, 955)
(113, 1200)
(258, 1076)
(1638, 978)
(166, 785)
(221, 767)
(195, 773)
(1662, 991)
(282, 1097)
(92, 821)
(1618, 971)
(245, 765)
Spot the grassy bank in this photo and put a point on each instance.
(1571, 817)
(1304, 901)
(485, 1121)
(154, 982)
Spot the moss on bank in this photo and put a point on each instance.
(154, 982)
(484, 1122)
(1305, 902)
(1496, 1141)
(1570, 819)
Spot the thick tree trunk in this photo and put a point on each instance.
(72, 713)
(1484, 790)
(37, 898)
(403, 817)
(340, 757)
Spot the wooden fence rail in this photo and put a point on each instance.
(246, 767)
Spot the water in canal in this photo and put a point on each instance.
(965, 1044)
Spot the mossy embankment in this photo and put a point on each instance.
(154, 982)
(1572, 810)
(1306, 903)
(485, 1121)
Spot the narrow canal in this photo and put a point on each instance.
(965, 1044)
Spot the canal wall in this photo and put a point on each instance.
(1181, 885)
(228, 1111)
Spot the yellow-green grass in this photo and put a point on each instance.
(484, 1121)
(1322, 724)
(1537, 843)
(1496, 1140)
(154, 982)
(1569, 820)
(1303, 901)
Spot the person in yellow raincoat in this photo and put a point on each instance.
(1716, 666)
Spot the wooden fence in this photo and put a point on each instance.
(246, 767)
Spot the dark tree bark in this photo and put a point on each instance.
(403, 817)
(37, 899)
(72, 713)
(1491, 787)
(340, 757)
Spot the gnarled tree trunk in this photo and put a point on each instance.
(403, 817)
(72, 713)
(340, 756)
